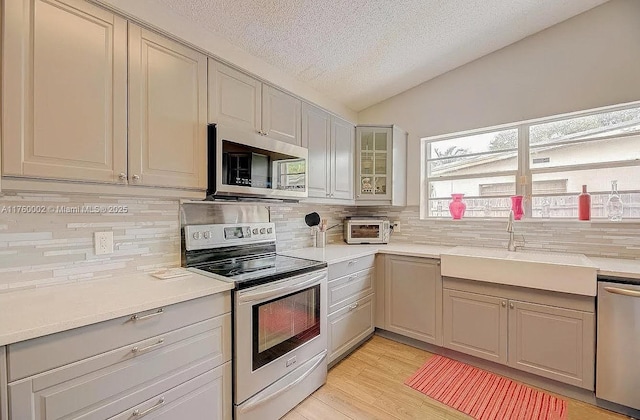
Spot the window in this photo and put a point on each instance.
(547, 161)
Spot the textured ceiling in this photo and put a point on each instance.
(361, 52)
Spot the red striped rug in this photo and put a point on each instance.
(484, 395)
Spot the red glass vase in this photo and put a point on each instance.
(516, 206)
(457, 206)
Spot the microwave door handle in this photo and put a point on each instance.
(258, 295)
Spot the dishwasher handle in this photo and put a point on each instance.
(624, 292)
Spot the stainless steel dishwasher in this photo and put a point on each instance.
(618, 346)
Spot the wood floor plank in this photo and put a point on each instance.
(369, 385)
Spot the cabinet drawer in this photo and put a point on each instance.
(44, 353)
(348, 326)
(78, 390)
(347, 289)
(208, 393)
(351, 266)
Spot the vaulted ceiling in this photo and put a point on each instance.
(361, 52)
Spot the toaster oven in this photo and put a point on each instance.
(366, 230)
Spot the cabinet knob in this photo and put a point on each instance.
(122, 176)
(511, 305)
(504, 304)
(136, 177)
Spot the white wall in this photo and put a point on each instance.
(588, 61)
(179, 27)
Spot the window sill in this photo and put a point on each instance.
(534, 220)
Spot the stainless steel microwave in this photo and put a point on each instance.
(366, 230)
(246, 164)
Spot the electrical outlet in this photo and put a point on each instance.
(103, 242)
(396, 227)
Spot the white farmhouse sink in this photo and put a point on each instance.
(568, 273)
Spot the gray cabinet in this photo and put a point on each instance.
(3, 384)
(413, 298)
(330, 141)
(475, 324)
(64, 101)
(187, 366)
(167, 112)
(381, 162)
(237, 99)
(351, 305)
(549, 334)
(553, 342)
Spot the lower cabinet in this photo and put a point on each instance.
(348, 326)
(540, 337)
(351, 305)
(3, 384)
(476, 325)
(413, 298)
(181, 373)
(556, 343)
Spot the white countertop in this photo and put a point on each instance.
(26, 314)
(332, 254)
(31, 313)
(602, 266)
(617, 268)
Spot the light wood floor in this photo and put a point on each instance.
(369, 384)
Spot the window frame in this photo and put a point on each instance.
(524, 173)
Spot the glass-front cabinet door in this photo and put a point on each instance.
(373, 181)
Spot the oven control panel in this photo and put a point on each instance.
(222, 235)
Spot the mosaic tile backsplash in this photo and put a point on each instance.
(598, 239)
(56, 244)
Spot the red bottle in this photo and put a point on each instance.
(584, 205)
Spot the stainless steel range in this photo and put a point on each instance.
(280, 320)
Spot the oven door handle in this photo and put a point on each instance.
(259, 295)
(257, 400)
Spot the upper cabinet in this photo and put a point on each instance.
(238, 99)
(66, 114)
(330, 141)
(64, 91)
(167, 112)
(381, 160)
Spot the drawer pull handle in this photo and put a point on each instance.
(138, 350)
(352, 278)
(354, 306)
(138, 413)
(136, 317)
(352, 263)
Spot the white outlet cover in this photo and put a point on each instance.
(103, 243)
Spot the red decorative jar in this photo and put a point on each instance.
(457, 206)
(516, 206)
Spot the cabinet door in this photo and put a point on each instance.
(235, 98)
(3, 384)
(281, 115)
(413, 298)
(342, 136)
(348, 326)
(475, 324)
(167, 112)
(552, 342)
(64, 91)
(316, 127)
(374, 150)
(208, 393)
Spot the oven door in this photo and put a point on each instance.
(278, 327)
